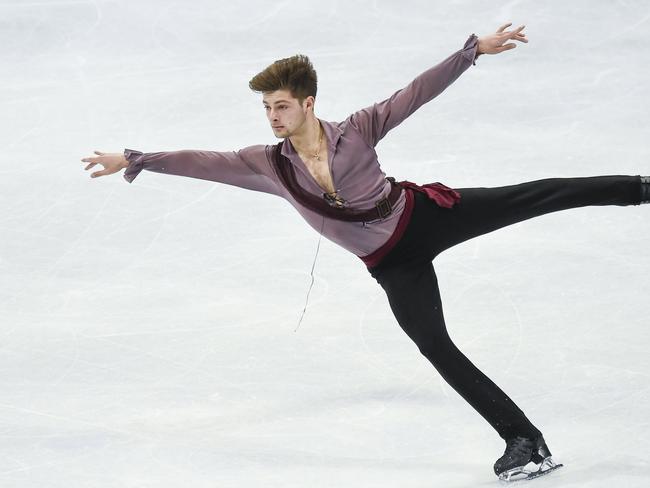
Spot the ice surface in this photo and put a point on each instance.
(148, 330)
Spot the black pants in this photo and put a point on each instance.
(408, 278)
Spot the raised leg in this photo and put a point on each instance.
(483, 210)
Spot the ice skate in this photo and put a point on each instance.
(524, 459)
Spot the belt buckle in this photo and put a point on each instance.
(335, 200)
(384, 207)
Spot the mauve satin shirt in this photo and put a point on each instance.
(352, 159)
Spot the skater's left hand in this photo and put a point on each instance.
(493, 44)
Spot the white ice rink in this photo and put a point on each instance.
(148, 331)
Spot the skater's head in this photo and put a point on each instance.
(289, 88)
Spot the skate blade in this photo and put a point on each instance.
(530, 471)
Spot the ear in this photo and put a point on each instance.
(309, 102)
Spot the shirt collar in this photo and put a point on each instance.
(332, 135)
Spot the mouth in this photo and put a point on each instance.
(278, 126)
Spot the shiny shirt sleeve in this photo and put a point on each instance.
(375, 121)
(246, 168)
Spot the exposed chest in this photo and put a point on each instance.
(320, 171)
(348, 167)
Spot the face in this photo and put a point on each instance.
(285, 114)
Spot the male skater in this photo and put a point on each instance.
(330, 173)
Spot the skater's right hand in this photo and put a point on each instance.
(112, 163)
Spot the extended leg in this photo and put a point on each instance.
(483, 210)
(414, 298)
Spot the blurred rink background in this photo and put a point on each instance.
(148, 330)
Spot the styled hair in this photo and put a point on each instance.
(295, 74)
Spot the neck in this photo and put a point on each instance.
(307, 139)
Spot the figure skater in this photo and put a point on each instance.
(330, 173)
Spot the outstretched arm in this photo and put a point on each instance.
(246, 168)
(375, 121)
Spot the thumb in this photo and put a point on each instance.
(99, 173)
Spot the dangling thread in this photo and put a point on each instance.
(312, 274)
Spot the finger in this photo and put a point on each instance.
(500, 29)
(90, 166)
(511, 34)
(98, 173)
(511, 37)
(507, 47)
(99, 152)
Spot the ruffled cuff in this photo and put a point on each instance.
(470, 49)
(135, 159)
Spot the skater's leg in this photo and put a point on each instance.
(414, 298)
(483, 210)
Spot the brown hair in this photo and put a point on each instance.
(295, 74)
